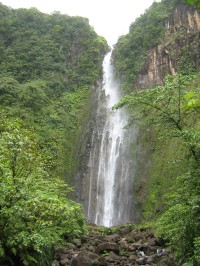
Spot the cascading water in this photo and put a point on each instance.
(111, 165)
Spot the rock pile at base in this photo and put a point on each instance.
(126, 247)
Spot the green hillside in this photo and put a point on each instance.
(48, 66)
(167, 179)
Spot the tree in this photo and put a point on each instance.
(43, 60)
(195, 2)
(48, 64)
(169, 107)
(174, 110)
(180, 224)
(35, 214)
(145, 33)
(9, 89)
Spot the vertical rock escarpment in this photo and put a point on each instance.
(88, 138)
(181, 41)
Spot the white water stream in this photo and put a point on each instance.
(111, 164)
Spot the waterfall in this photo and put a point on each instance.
(111, 164)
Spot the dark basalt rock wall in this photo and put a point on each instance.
(89, 138)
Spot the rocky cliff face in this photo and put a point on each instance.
(90, 138)
(181, 41)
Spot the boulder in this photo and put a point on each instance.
(115, 249)
(113, 257)
(141, 261)
(107, 246)
(84, 259)
(151, 259)
(113, 238)
(134, 246)
(55, 263)
(137, 236)
(124, 230)
(64, 261)
(77, 242)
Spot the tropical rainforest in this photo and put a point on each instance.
(49, 65)
(168, 117)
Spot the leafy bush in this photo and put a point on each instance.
(48, 65)
(35, 214)
(180, 223)
(173, 110)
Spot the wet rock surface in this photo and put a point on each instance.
(126, 247)
(182, 29)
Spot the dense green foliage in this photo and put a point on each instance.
(48, 65)
(174, 111)
(195, 2)
(57, 47)
(34, 212)
(168, 117)
(146, 32)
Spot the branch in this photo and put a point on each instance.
(177, 123)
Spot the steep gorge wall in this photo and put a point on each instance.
(88, 139)
(156, 171)
(181, 42)
(181, 38)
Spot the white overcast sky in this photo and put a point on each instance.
(110, 18)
